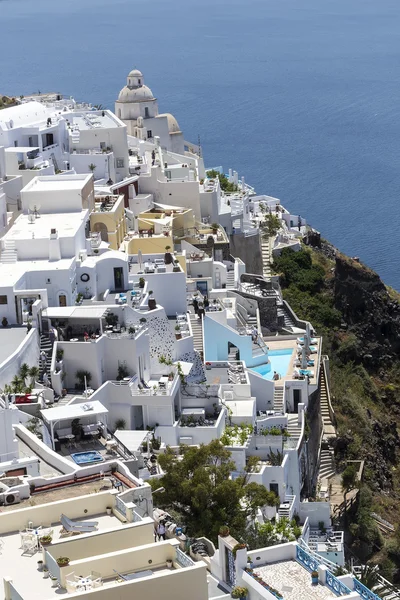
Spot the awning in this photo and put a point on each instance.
(76, 312)
(170, 206)
(131, 439)
(73, 411)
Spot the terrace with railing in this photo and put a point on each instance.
(106, 203)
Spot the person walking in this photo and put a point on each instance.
(195, 306)
(43, 358)
(161, 530)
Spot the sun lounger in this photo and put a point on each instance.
(78, 526)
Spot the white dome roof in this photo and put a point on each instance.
(172, 122)
(137, 94)
(135, 73)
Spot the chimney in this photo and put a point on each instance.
(54, 246)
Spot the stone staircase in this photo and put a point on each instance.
(9, 254)
(278, 399)
(327, 460)
(197, 333)
(266, 258)
(329, 428)
(326, 464)
(287, 319)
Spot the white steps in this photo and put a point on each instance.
(9, 253)
(197, 333)
(293, 428)
(230, 280)
(266, 258)
(278, 399)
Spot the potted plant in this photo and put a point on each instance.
(314, 577)
(169, 563)
(4, 322)
(224, 531)
(250, 564)
(63, 561)
(151, 302)
(46, 540)
(40, 565)
(208, 366)
(239, 592)
(142, 320)
(141, 282)
(45, 572)
(131, 331)
(77, 429)
(238, 547)
(167, 255)
(59, 354)
(214, 227)
(178, 334)
(108, 510)
(54, 581)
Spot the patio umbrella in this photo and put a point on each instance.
(307, 337)
(139, 256)
(303, 358)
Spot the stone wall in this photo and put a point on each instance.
(249, 250)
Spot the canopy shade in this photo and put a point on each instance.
(73, 411)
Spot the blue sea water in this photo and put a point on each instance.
(300, 96)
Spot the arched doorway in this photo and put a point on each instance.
(102, 229)
(62, 300)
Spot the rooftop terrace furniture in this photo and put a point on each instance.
(78, 526)
(131, 576)
(64, 433)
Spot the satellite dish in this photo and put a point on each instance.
(34, 208)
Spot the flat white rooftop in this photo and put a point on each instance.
(95, 120)
(55, 183)
(293, 581)
(23, 570)
(11, 273)
(28, 227)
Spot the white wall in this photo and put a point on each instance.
(27, 352)
(316, 512)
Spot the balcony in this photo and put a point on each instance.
(157, 385)
(105, 203)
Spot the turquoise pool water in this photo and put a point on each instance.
(84, 458)
(279, 361)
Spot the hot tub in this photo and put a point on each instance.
(85, 458)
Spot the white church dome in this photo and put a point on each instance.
(135, 73)
(173, 125)
(136, 94)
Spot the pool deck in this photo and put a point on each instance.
(290, 342)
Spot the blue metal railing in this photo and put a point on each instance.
(364, 592)
(308, 561)
(335, 585)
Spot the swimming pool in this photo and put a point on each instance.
(279, 361)
(84, 458)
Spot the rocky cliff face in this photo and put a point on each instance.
(368, 312)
